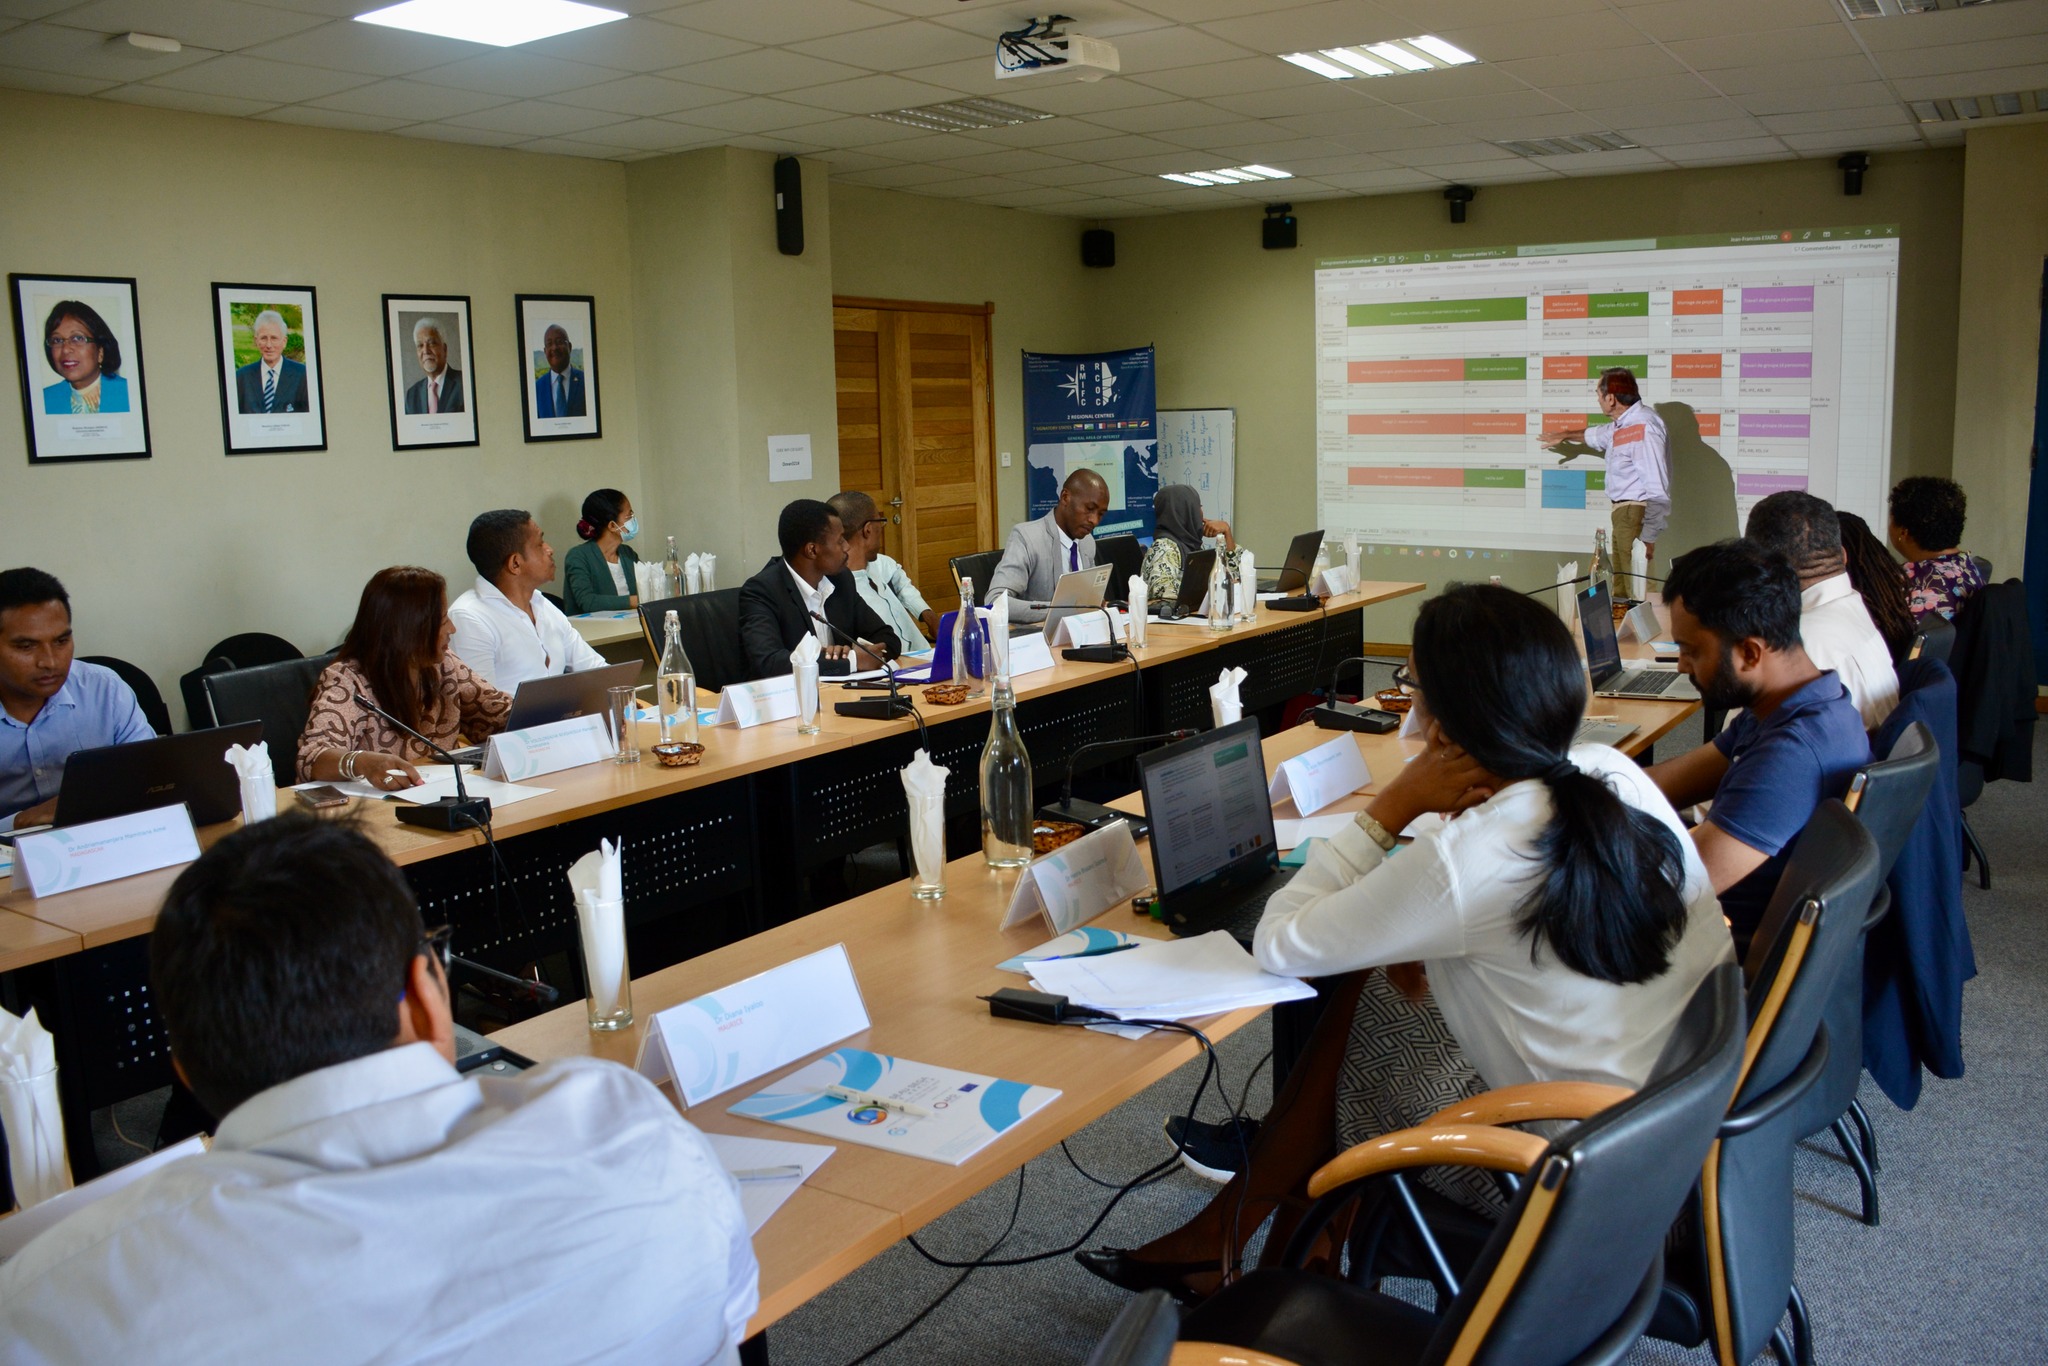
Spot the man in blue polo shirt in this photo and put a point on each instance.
(1798, 738)
(49, 704)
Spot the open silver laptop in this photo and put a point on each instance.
(1603, 657)
(1079, 590)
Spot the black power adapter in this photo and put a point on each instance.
(1036, 1007)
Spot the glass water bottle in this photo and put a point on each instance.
(967, 642)
(1219, 595)
(673, 568)
(676, 685)
(1602, 572)
(1006, 810)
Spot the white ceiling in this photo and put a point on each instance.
(1695, 82)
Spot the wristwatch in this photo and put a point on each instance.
(1374, 831)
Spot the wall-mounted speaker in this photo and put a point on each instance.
(1098, 247)
(1278, 231)
(789, 206)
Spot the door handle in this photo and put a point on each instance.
(896, 518)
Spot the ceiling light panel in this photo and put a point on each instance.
(1402, 56)
(1229, 175)
(954, 116)
(1571, 146)
(1971, 107)
(500, 23)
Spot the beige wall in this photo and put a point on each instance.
(2005, 223)
(1233, 322)
(165, 556)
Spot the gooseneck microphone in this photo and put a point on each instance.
(1336, 714)
(1093, 814)
(459, 812)
(887, 708)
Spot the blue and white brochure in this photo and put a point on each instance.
(901, 1106)
(1086, 942)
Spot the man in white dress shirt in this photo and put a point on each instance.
(505, 628)
(362, 1200)
(1833, 622)
(883, 583)
(1637, 450)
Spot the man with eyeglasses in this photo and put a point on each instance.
(362, 1201)
(883, 583)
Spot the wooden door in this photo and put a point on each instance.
(917, 429)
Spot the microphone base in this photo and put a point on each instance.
(1351, 716)
(1095, 654)
(448, 813)
(876, 708)
(1307, 602)
(1093, 815)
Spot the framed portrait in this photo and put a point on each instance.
(79, 339)
(427, 355)
(271, 397)
(558, 366)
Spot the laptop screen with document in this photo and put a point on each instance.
(1209, 806)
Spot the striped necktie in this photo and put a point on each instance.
(269, 391)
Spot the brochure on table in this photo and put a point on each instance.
(1332, 770)
(731, 1036)
(570, 743)
(768, 1171)
(1075, 884)
(1089, 941)
(75, 856)
(901, 1106)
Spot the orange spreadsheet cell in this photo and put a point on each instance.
(1564, 367)
(1710, 423)
(1696, 367)
(1565, 305)
(1407, 371)
(1437, 424)
(1370, 476)
(1695, 301)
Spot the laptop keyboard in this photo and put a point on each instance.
(1647, 680)
(467, 757)
(1242, 920)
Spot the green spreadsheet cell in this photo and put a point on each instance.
(1639, 365)
(1497, 367)
(1617, 305)
(1596, 479)
(1424, 311)
(1496, 479)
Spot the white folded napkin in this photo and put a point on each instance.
(1639, 569)
(999, 637)
(1245, 592)
(708, 565)
(803, 666)
(924, 787)
(598, 881)
(693, 574)
(259, 780)
(1139, 606)
(1567, 598)
(1224, 706)
(29, 1111)
(1351, 556)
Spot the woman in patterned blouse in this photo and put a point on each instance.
(396, 654)
(1927, 529)
(1177, 514)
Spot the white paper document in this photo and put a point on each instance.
(737, 1033)
(1172, 979)
(442, 784)
(1294, 834)
(1080, 881)
(769, 1171)
(1332, 770)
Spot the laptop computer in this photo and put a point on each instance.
(119, 780)
(1194, 586)
(1078, 590)
(1215, 860)
(557, 697)
(1603, 657)
(1298, 567)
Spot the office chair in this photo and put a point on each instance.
(279, 695)
(143, 686)
(1570, 1274)
(1936, 640)
(242, 651)
(710, 625)
(978, 566)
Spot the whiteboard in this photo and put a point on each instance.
(1199, 446)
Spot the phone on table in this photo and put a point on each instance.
(324, 797)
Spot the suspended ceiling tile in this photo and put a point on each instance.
(368, 48)
(640, 45)
(967, 186)
(1423, 86)
(1159, 118)
(253, 78)
(1405, 178)
(1244, 76)
(1713, 153)
(1832, 120)
(1943, 28)
(850, 132)
(1586, 34)
(77, 52)
(1783, 45)
(1049, 134)
(1675, 21)
(224, 25)
(1005, 162)
(649, 135)
(1323, 97)
(409, 100)
(776, 21)
(1967, 58)
(1306, 28)
(536, 119)
(1851, 140)
(896, 177)
(1861, 95)
(1822, 71)
(1704, 130)
(448, 132)
(570, 147)
(757, 115)
(1080, 97)
(1167, 49)
(1990, 82)
(191, 101)
(872, 94)
(52, 82)
(1432, 157)
(1571, 68)
(1519, 104)
(1636, 91)
(1099, 18)
(648, 96)
(766, 71)
(312, 117)
(854, 159)
(898, 47)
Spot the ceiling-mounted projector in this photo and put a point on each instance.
(1046, 51)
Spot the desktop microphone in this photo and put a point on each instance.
(1092, 814)
(1335, 714)
(459, 812)
(1099, 654)
(889, 708)
(540, 993)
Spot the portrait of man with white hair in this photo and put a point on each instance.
(273, 382)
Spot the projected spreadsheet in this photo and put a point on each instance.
(1436, 371)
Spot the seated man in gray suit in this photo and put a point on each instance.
(1058, 543)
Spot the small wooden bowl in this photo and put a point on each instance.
(1393, 700)
(1047, 836)
(678, 754)
(946, 694)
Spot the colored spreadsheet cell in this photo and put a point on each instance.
(1775, 426)
(1496, 368)
(1425, 312)
(1407, 371)
(1764, 485)
(1778, 299)
(1696, 367)
(1496, 479)
(1710, 423)
(1695, 302)
(1564, 367)
(1777, 365)
(1639, 365)
(1618, 305)
(1564, 306)
(1564, 489)
(1437, 424)
(1373, 476)
(1596, 481)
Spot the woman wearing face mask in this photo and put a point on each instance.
(597, 576)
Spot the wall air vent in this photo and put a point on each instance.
(1571, 146)
(1977, 108)
(1893, 9)
(958, 116)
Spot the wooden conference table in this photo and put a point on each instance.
(921, 967)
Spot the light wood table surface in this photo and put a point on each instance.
(24, 941)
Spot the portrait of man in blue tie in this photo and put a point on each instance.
(273, 382)
(558, 392)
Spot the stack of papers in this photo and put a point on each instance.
(768, 1172)
(1169, 979)
(438, 781)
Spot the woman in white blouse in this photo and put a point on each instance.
(1553, 931)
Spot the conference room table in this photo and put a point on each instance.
(921, 967)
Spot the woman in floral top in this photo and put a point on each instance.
(1177, 512)
(396, 655)
(1927, 529)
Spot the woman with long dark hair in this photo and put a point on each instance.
(1875, 575)
(1553, 931)
(396, 654)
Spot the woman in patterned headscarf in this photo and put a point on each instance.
(1177, 512)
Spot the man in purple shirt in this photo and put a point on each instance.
(50, 705)
(1735, 615)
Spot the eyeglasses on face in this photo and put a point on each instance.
(1404, 679)
(440, 942)
(75, 339)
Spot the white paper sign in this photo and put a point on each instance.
(1029, 654)
(1073, 885)
(1338, 578)
(1640, 624)
(1331, 770)
(789, 458)
(77, 856)
(743, 1031)
(516, 754)
(1086, 628)
(749, 704)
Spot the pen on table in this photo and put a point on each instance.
(1091, 953)
(785, 1172)
(853, 1097)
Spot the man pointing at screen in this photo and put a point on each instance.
(1638, 457)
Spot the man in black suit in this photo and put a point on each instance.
(810, 576)
(270, 383)
(441, 390)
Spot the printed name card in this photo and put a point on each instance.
(1338, 578)
(746, 1030)
(1079, 882)
(77, 856)
(1331, 770)
(1641, 624)
(765, 699)
(516, 754)
(1029, 654)
(1087, 628)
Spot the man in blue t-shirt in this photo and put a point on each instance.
(1798, 740)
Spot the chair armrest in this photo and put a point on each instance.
(1533, 1101)
(1218, 1354)
(1469, 1145)
(1781, 1097)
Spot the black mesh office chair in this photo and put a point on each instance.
(978, 566)
(1570, 1274)
(279, 695)
(143, 686)
(710, 625)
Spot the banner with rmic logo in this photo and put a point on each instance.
(1098, 412)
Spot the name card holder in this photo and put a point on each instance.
(1331, 770)
(1074, 884)
(751, 704)
(1029, 654)
(517, 754)
(733, 1035)
(1086, 628)
(1335, 580)
(75, 856)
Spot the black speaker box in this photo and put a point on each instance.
(1277, 232)
(789, 206)
(1098, 247)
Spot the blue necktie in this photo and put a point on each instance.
(1073, 555)
(270, 391)
(561, 397)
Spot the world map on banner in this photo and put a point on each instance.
(1098, 412)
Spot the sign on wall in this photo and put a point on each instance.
(1096, 412)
